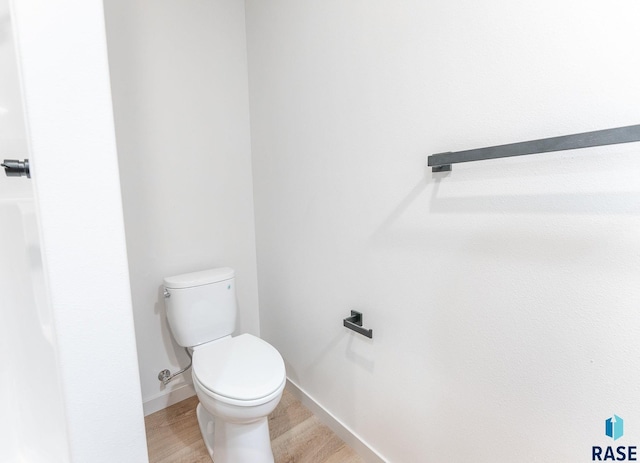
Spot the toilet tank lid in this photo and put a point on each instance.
(205, 277)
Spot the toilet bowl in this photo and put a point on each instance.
(238, 380)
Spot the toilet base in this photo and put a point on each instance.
(235, 443)
(207, 427)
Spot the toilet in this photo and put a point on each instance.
(238, 380)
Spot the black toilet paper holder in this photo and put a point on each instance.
(354, 322)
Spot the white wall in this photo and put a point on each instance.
(63, 59)
(503, 297)
(179, 81)
(30, 394)
(13, 142)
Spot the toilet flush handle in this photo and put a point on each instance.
(167, 294)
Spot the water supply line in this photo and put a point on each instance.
(165, 376)
(16, 168)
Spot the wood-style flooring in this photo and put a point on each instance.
(297, 436)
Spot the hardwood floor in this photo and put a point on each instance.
(297, 436)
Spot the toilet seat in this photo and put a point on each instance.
(244, 370)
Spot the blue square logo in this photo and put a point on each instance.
(614, 427)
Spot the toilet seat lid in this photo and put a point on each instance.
(241, 368)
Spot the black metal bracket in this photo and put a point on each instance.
(15, 168)
(354, 322)
(442, 162)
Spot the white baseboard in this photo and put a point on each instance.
(168, 398)
(343, 432)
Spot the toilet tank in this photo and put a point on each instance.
(201, 306)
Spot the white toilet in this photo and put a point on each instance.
(239, 380)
